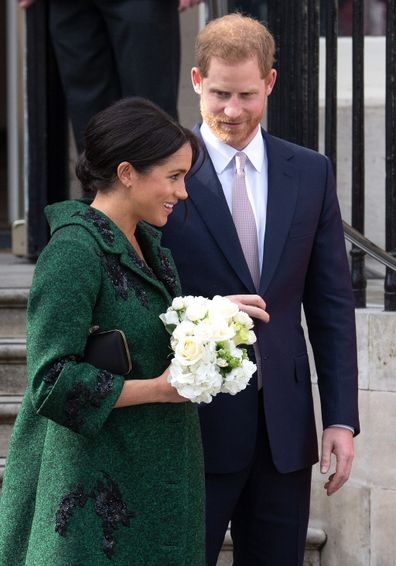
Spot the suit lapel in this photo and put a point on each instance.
(206, 193)
(282, 197)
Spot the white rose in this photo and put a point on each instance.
(188, 350)
(196, 310)
(185, 328)
(188, 299)
(222, 307)
(170, 318)
(221, 329)
(178, 303)
(204, 330)
(243, 318)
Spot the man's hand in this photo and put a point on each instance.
(184, 4)
(338, 441)
(253, 305)
(26, 3)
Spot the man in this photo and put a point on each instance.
(261, 444)
(108, 49)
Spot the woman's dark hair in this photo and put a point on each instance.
(133, 130)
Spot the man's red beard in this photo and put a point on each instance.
(218, 125)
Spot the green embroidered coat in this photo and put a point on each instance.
(86, 484)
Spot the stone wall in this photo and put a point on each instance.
(360, 520)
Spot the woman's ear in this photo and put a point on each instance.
(126, 174)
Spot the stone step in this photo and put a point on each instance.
(12, 366)
(316, 538)
(9, 407)
(13, 304)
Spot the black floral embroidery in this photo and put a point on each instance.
(113, 511)
(122, 280)
(141, 264)
(80, 397)
(52, 374)
(103, 388)
(101, 224)
(117, 275)
(108, 505)
(167, 275)
(77, 399)
(68, 502)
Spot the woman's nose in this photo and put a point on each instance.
(181, 193)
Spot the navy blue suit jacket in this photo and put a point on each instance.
(304, 263)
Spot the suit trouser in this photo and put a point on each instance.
(109, 49)
(268, 510)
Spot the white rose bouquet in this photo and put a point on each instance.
(205, 338)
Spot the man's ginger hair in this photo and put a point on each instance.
(234, 38)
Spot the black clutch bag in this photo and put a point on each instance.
(108, 350)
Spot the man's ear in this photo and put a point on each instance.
(196, 80)
(270, 80)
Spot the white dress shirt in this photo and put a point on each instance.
(256, 175)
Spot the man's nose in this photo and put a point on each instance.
(233, 108)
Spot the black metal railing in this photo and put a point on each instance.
(390, 157)
(355, 237)
(359, 280)
(293, 114)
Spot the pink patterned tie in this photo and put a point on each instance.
(245, 224)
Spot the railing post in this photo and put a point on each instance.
(359, 282)
(390, 159)
(331, 18)
(293, 108)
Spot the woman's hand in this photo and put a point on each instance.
(155, 390)
(166, 392)
(253, 305)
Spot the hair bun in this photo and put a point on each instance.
(85, 174)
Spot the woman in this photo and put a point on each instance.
(103, 467)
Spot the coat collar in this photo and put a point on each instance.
(206, 193)
(159, 270)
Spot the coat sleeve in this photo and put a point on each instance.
(330, 313)
(65, 288)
